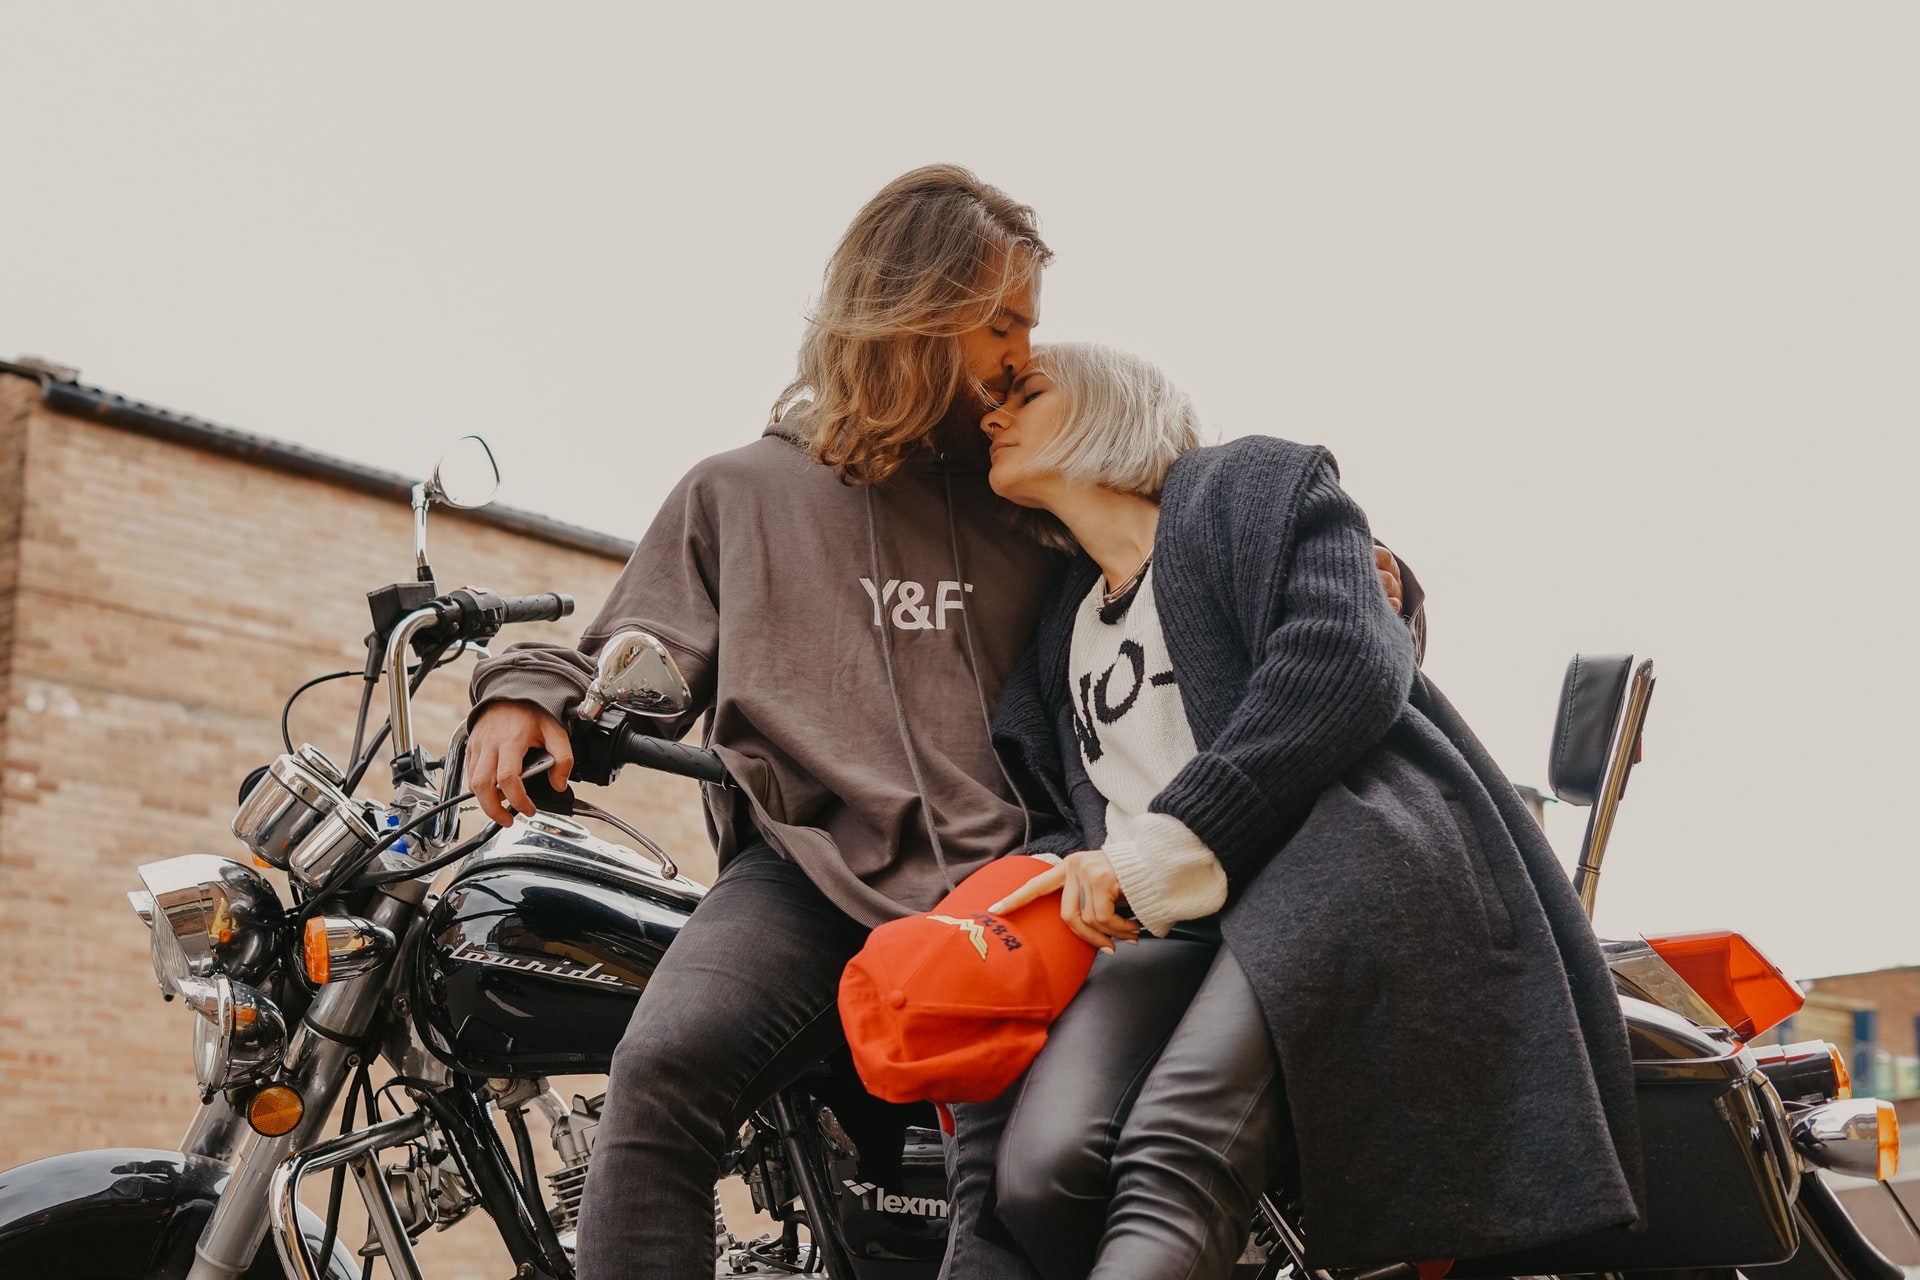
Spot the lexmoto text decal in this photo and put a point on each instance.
(879, 1198)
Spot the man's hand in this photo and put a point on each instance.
(1089, 896)
(498, 742)
(1390, 577)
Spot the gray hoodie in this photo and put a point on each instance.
(848, 644)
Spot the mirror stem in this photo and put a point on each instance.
(422, 571)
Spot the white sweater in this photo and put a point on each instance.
(1133, 737)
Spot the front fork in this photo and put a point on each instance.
(239, 1223)
(324, 1062)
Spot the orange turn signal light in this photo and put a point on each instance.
(340, 947)
(1889, 1142)
(313, 948)
(275, 1110)
(1843, 1086)
(1735, 980)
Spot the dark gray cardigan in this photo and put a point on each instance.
(1455, 1060)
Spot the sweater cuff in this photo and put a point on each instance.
(1167, 873)
(549, 681)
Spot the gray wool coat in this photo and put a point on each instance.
(1454, 1056)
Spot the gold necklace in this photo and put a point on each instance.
(1132, 581)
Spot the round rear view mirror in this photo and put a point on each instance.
(467, 476)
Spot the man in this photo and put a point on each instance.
(845, 598)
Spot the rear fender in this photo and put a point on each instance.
(124, 1212)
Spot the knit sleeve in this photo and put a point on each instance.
(1167, 873)
(1330, 678)
(667, 589)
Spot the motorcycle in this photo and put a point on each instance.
(528, 962)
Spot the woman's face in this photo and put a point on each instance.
(1019, 431)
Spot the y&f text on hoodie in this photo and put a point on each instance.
(912, 611)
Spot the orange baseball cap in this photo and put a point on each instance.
(952, 1004)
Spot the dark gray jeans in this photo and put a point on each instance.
(742, 1004)
(1138, 1142)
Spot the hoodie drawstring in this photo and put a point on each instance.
(899, 712)
(973, 665)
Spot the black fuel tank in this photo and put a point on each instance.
(538, 950)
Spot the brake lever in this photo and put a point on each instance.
(533, 774)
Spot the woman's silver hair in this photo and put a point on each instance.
(1126, 423)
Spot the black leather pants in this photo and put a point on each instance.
(1138, 1142)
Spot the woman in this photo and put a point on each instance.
(1224, 710)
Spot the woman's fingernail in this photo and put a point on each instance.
(996, 908)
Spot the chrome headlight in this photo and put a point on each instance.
(239, 1036)
(208, 915)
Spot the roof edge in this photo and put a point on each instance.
(111, 409)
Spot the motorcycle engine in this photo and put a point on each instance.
(573, 1134)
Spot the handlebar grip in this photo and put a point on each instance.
(549, 607)
(635, 747)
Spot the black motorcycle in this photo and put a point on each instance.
(530, 959)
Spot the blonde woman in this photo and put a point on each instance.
(1356, 956)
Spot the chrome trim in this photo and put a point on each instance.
(354, 946)
(210, 915)
(283, 1195)
(668, 868)
(241, 1035)
(1841, 1136)
(290, 800)
(232, 1235)
(1779, 1134)
(217, 1132)
(421, 498)
(399, 644)
(1652, 978)
(636, 673)
(338, 836)
(383, 1216)
(527, 844)
(1668, 1047)
(1613, 784)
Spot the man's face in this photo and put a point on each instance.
(996, 350)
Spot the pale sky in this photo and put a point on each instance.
(1608, 311)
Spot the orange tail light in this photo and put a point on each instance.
(1731, 975)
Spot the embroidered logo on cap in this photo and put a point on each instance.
(975, 931)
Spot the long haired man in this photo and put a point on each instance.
(846, 601)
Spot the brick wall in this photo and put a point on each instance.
(157, 604)
(1895, 995)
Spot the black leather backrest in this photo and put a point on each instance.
(1590, 699)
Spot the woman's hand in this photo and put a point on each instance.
(1388, 568)
(1089, 898)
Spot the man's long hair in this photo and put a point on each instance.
(930, 257)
